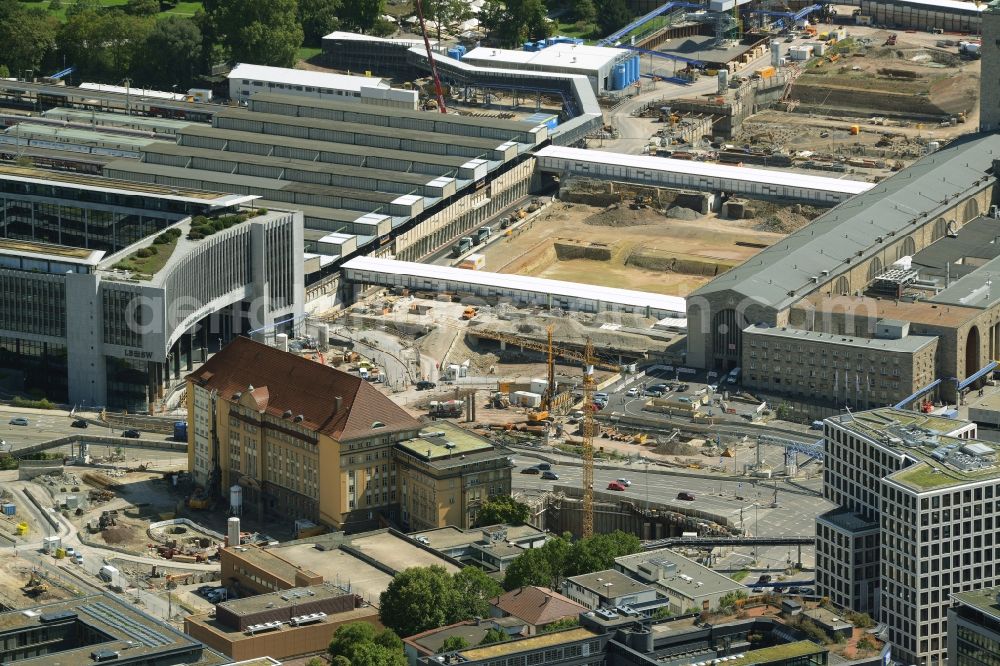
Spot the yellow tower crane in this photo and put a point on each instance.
(588, 440)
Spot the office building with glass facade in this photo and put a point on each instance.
(109, 290)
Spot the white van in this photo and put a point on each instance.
(108, 573)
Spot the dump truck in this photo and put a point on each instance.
(463, 245)
(469, 313)
(483, 234)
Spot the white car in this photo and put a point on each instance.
(625, 482)
(632, 392)
(70, 551)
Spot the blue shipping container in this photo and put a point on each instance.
(180, 430)
(9, 509)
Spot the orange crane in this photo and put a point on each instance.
(588, 441)
(430, 59)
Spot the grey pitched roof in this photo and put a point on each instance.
(850, 233)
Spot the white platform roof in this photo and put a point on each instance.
(567, 56)
(765, 176)
(505, 281)
(340, 34)
(950, 5)
(301, 77)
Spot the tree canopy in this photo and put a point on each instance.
(612, 15)
(422, 598)
(561, 557)
(360, 643)
(27, 36)
(511, 22)
(262, 32)
(503, 509)
(318, 18)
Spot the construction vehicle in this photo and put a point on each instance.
(446, 408)
(639, 202)
(469, 313)
(525, 343)
(538, 416)
(198, 500)
(890, 40)
(463, 245)
(535, 204)
(35, 585)
(500, 400)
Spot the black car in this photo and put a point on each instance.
(79, 423)
(131, 434)
(550, 476)
(425, 385)
(544, 466)
(531, 470)
(687, 497)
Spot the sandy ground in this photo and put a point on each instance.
(707, 239)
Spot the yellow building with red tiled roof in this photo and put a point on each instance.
(304, 440)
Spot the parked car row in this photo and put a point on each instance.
(212, 593)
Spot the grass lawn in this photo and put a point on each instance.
(570, 29)
(740, 575)
(146, 268)
(180, 9)
(307, 52)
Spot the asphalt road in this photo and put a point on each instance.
(794, 516)
(42, 427)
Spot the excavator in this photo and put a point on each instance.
(35, 585)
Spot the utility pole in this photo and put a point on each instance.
(588, 440)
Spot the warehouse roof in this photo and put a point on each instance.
(975, 290)
(435, 116)
(446, 162)
(354, 128)
(224, 179)
(857, 229)
(766, 176)
(78, 135)
(908, 344)
(331, 402)
(302, 77)
(407, 178)
(609, 583)
(353, 36)
(564, 56)
(505, 282)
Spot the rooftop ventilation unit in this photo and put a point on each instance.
(266, 626)
(311, 618)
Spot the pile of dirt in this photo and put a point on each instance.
(783, 219)
(622, 216)
(116, 535)
(681, 213)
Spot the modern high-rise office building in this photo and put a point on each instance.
(110, 289)
(918, 504)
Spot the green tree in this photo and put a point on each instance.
(81, 6)
(104, 45)
(417, 599)
(867, 644)
(359, 643)
(361, 15)
(559, 625)
(318, 18)
(599, 552)
(529, 568)
(173, 54)
(510, 22)
(494, 636)
(142, 7)
(340, 660)
(453, 643)
(612, 15)
(447, 13)
(731, 599)
(263, 32)
(503, 509)
(860, 620)
(473, 590)
(584, 10)
(316, 661)
(27, 36)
